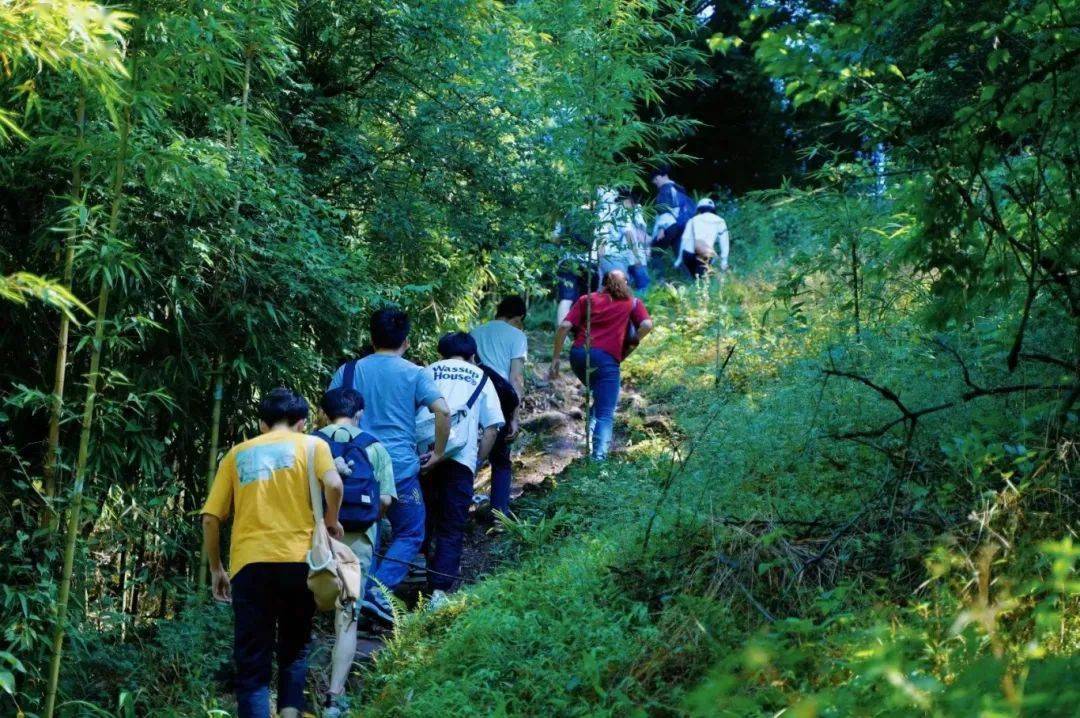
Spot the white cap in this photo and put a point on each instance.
(706, 202)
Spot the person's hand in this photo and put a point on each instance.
(427, 464)
(553, 371)
(220, 585)
(513, 430)
(334, 528)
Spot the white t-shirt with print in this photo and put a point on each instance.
(457, 380)
(498, 344)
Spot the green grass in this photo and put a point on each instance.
(786, 570)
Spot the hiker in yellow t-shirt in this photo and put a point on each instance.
(263, 484)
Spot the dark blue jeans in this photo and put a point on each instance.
(502, 475)
(448, 491)
(604, 381)
(272, 610)
(639, 276)
(406, 517)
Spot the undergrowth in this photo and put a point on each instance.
(781, 551)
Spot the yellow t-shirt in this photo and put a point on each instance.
(263, 483)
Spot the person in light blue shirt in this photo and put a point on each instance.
(393, 389)
(503, 346)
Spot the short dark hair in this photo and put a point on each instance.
(389, 328)
(339, 403)
(660, 171)
(457, 344)
(512, 306)
(282, 404)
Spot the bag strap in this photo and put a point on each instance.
(476, 392)
(364, 440)
(348, 376)
(313, 482)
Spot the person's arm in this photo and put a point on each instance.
(517, 375)
(639, 315)
(441, 410)
(487, 440)
(334, 491)
(219, 578)
(725, 245)
(517, 380)
(556, 351)
(216, 509)
(333, 488)
(383, 467)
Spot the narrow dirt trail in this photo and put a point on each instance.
(551, 437)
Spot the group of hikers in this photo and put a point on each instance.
(611, 233)
(404, 443)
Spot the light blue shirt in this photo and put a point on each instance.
(499, 343)
(393, 389)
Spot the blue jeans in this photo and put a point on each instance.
(270, 600)
(604, 381)
(448, 490)
(406, 517)
(639, 277)
(502, 474)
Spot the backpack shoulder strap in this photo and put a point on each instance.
(476, 392)
(313, 483)
(363, 440)
(348, 376)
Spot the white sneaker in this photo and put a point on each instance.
(438, 601)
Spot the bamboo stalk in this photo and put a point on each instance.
(211, 457)
(215, 414)
(52, 453)
(75, 505)
(74, 509)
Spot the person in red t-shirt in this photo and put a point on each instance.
(600, 322)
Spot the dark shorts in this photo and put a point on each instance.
(694, 265)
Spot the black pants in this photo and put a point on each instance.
(448, 491)
(272, 611)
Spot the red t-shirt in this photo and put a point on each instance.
(610, 319)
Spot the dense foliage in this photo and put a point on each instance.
(229, 188)
(864, 501)
(791, 544)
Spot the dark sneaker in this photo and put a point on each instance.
(378, 607)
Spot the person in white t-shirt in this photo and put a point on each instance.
(448, 487)
(502, 345)
(699, 239)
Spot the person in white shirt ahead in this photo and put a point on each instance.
(700, 237)
(448, 487)
(502, 346)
